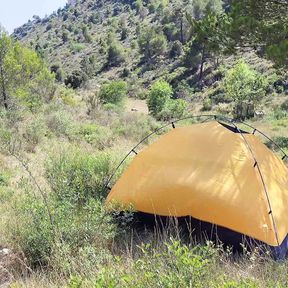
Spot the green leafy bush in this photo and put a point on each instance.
(242, 83)
(160, 93)
(99, 136)
(77, 176)
(77, 47)
(116, 54)
(114, 93)
(72, 221)
(60, 123)
(174, 266)
(174, 109)
(75, 79)
(56, 242)
(160, 104)
(35, 132)
(152, 43)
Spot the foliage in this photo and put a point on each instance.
(113, 93)
(160, 94)
(24, 77)
(152, 43)
(76, 176)
(262, 22)
(98, 136)
(174, 109)
(116, 54)
(60, 123)
(242, 83)
(76, 79)
(210, 40)
(71, 231)
(160, 104)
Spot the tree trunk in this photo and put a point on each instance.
(181, 30)
(4, 94)
(202, 63)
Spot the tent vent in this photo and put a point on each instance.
(233, 129)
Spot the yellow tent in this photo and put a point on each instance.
(214, 174)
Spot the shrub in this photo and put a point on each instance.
(174, 109)
(207, 104)
(76, 79)
(176, 49)
(34, 133)
(99, 136)
(76, 176)
(77, 47)
(152, 43)
(70, 232)
(172, 266)
(113, 93)
(160, 94)
(284, 106)
(60, 123)
(242, 83)
(67, 95)
(116, 54)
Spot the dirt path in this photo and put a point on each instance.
(137, 106)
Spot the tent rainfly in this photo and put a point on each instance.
(215, 173)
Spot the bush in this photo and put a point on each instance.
(76, 79)
(174, 109)
(152, 43)
(134, 126)
(113, 93)
(284, 106)
(67, 95)
(35, 132)
(242, 83)
(60, 123)
(99, 136)
(76, 176)
(207, 104)
(77, 47)
(116, 54)
(71, 231)
(160, 94)
(172, 266)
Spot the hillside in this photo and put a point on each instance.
(139, 42)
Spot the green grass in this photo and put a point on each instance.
(60, 230)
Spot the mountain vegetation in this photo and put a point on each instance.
(80, 87)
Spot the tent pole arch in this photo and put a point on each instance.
(218, 118)
(172, 123)
(270, 212)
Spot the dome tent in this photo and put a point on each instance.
(216, 173)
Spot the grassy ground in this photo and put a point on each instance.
(54, 162)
